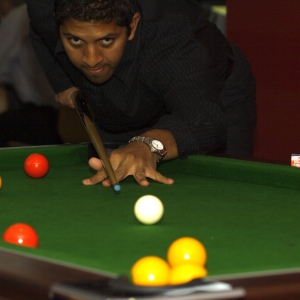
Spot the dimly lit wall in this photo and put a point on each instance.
(268, 31)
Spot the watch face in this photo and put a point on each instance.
(157, 145)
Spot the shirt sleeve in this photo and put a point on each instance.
(187, 62)
(195, 118)
(43, 25)
(192, 97)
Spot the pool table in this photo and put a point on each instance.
(246, 214)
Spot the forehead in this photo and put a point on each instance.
(73, 26)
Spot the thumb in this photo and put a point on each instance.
(95, 163)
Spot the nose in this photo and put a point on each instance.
(92, 55)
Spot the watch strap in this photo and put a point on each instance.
(149, 142)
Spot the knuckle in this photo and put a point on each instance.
(130, 156)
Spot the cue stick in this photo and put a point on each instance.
(86, 116)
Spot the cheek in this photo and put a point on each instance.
(72, 54)
(74, 57)
(115, 55)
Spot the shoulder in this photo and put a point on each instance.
(169, 25)
(172, 14)
(41, 14)
(40, 10)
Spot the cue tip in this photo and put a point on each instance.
(117, 188)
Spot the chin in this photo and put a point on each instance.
(97, 80)
(94, 80)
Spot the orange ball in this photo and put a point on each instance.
(36, 165)
(186, 250)
(184, 273)
(150, 271)
(21, 234)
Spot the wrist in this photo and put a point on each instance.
(155, 146)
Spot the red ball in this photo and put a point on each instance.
(36, 165)
(21, 234)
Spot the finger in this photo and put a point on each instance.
(163, 179)
(141, 179)
(119, 176)
(98, 177)
(97, 165)
(167, 180)
(71, 104)
(73, 98)
(106, 183)
(156, 176)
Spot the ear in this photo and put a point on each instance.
(134, 23)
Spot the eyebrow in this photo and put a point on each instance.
(107, 36)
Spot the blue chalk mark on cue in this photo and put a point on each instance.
(117, 188)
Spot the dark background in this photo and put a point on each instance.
(268, 33)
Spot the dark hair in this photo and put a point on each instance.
(120, 11)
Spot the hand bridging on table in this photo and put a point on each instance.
(134, 159)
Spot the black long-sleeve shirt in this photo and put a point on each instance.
(171, 75)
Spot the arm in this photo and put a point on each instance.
(193, 128)
(193, 125)
(44, 38)
(57, 77)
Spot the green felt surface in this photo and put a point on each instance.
(245, 213)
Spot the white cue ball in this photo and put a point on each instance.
(148, 209)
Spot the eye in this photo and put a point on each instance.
(106, 41)
(75, 41)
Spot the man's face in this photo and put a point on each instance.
(95, 48)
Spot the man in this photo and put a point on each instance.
(150, 70)
(28, 111)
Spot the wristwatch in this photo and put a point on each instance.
(155, 146)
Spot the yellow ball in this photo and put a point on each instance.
(150, 271)
(186, 250)
(184, 273)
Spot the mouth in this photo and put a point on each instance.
(97, 74)
(94, 71)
